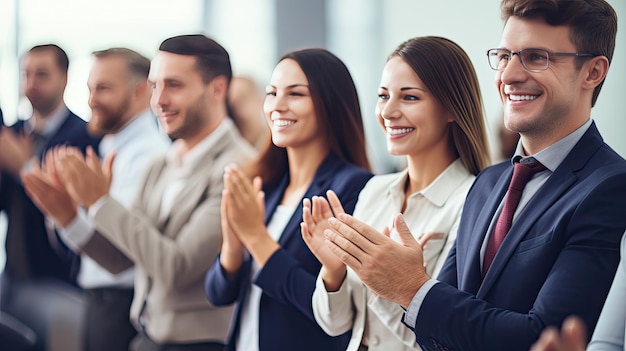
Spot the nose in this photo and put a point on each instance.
(92, 99)
(390, 108)
(514, 71)
(275, 103)
(158, 98)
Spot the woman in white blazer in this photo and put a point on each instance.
(430, 110)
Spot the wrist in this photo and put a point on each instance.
(64, 219)
(231, 261)
(333, 279)
(413, 289)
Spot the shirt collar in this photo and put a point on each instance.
(50, 124)
(113, 141)
(440, 189)
(552, 156)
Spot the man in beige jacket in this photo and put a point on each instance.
(172, 234)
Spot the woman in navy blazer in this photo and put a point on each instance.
(318, 144)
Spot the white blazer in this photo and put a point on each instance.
(436, 208)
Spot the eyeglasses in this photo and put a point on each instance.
(533, 60)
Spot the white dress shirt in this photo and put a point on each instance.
(374, 321)
(137, 144)
(248, 338)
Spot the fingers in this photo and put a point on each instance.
(404, 232)
(107, 166)
(365, 233)
(574, 334)
(548, 341)
(342, 248)
(307, 218)
(425, 238)
(334, 202)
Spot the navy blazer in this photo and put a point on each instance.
(286, 320)
(25, 219)
(558, 259)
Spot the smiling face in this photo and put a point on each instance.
(289, 107)
(179, 96)
(414, 122)
(110, 95)
(543, 105)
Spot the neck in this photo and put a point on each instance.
(189, 142)
(425, 168)
(303, 165)
(534, 142)
(41, 115)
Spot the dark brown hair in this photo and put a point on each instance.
(63, 62)
(593, 23)
(336, 106)
(449, 75)
(212, 58)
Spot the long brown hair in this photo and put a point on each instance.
(449, 75)
(337, 108)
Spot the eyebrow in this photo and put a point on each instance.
(406, 88)
(290, 86)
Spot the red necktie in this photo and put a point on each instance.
(522, 172)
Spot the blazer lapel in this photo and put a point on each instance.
(471, 277)
(318, 186)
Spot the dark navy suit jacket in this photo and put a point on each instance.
(24, 219)
(558, 259)
(286, 320)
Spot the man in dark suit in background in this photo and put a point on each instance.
(503, 283)
(34, 253)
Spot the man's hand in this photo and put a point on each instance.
(85, 179)
(315, 215)
(15, 151)
(394, 271)
(49, 195)
(572, 338)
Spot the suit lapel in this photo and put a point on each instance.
(318, 186)
(472, 273)
(550, 192)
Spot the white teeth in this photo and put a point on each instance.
(397, 131)
(522, 97)
(282, 122)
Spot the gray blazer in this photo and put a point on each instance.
(171, 253)
(610, 332)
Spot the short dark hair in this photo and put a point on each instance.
(62, 60)
(138, 66)
(593, 23)
(212, 58)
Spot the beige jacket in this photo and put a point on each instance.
(171, 253)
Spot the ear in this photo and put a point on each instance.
(595, 71)
(219, 87)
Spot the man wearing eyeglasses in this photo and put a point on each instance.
(529, 252)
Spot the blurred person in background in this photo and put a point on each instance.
(119, 98)
(36, 259)
(245, 103)
(172, 232)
